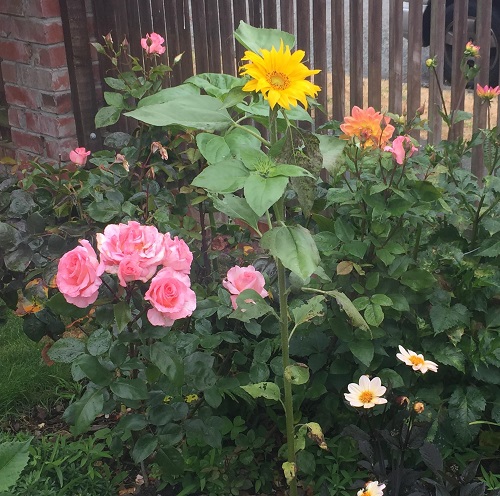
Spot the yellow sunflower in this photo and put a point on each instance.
(280, 76)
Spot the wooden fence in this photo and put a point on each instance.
(203, 30)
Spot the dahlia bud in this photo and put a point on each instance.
(402, 401)
(418, 407)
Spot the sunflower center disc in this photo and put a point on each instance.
(278, 80)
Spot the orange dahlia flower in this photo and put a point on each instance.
(487, 93)
(371, 128)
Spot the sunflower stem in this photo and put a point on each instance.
(279, 212)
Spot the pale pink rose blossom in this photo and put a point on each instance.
(78, 275)
(153, 44)
(79, 156)
(130, 269)
(240, 278)
(402, 148)
(178, 256)
(171, 297)
(121, 241)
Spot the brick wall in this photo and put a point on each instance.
(35, 74)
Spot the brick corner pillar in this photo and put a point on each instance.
(36, 78)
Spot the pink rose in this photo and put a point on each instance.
(78, 275)
(402, 148)
(178, 256)
(79, 156)
(130, 269)
(240, 278)
(126, 241)
(153, 44)
(171, 297)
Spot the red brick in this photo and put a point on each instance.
(43, 78)
(12, 7)
(27, 141)
(9, 71)
(6, 25)
(51, 56)
(51, 125)
(17, 51)
(17, 117)
(43, 31)
(43, 8)
(22, 97)
(24, 158)
(56, 147)
(59, 103)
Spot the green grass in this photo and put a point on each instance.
(25, 380)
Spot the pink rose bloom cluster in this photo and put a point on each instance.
(134, 253)
(240, 278)
(153, 44)
(401, 149)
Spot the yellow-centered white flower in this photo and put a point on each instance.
(372, 488)
(367, 393)
(416, 361)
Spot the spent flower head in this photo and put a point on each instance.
(367, 393)
(280, 76)
(416, 361)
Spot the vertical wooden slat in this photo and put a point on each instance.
(213, 36)
(338, 59)
(287, 17)
(356, 55)
(180, 17)
(200, 37)
(483, 24)
(375, 54)
(304, 33)
(172, 37)
(140, 23)
(270, 14)
(239, 14)
(255, 13)
(460, 11)
(396, 57)
(77, 43)
(436, 77)
(414, 78)
(320, 60)
(229, 61)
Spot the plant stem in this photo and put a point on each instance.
(255, 135)
(279, 211)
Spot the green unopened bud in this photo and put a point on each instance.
(431, 62)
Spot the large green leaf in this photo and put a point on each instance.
(13, 458)
(418, 279)
(65, 350)
(99, 342)
(194, 112)
(19, 259)
(331, 147)
(254, 39)
(216, 85)
(224, 177)
(170, 461)
(9, 237)
(213, 147)
(83, 412)
(123, 315)
(104, 210)
(268, 390)
(362, 350)
(169, 94)
(144, 447)
(106, 116)
(168, 363)
(294, 247)
(93, 369)
(444, 318)
(261, 193)
(130, 389)
(307, 311)
(250, 306)
(236, 208)
(465, 406)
